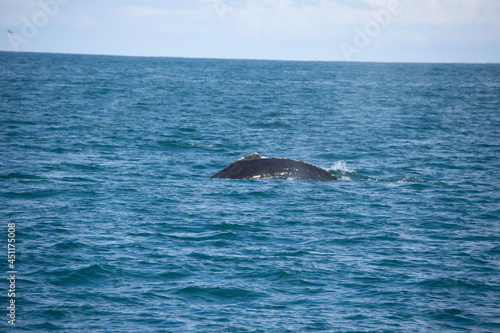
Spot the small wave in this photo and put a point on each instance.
(343, 172)
(187, 129)
(270, 125)
(42, 193)
(204, 236)
(70, 245)
(341, 166)
(216, 293)
(19, 175)
(83, 275)
(409, 180)
(199, 145)
(448, 283)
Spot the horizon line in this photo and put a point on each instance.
(255, 59)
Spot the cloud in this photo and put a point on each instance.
(286, 29)
(320, 25)
(451, 12)
(287, 20)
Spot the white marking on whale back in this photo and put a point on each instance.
(253, 156)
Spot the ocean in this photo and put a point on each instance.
(106, 196)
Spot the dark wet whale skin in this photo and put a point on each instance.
(255, 166)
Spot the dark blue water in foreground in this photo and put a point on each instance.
(105, 166)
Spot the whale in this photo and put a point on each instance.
(255, 166)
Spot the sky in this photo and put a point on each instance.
(456, 31)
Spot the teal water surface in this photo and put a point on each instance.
(105, 166)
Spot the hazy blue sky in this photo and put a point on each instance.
(358, 30)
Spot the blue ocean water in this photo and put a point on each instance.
(105, 165)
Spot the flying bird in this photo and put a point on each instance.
(10, 32)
